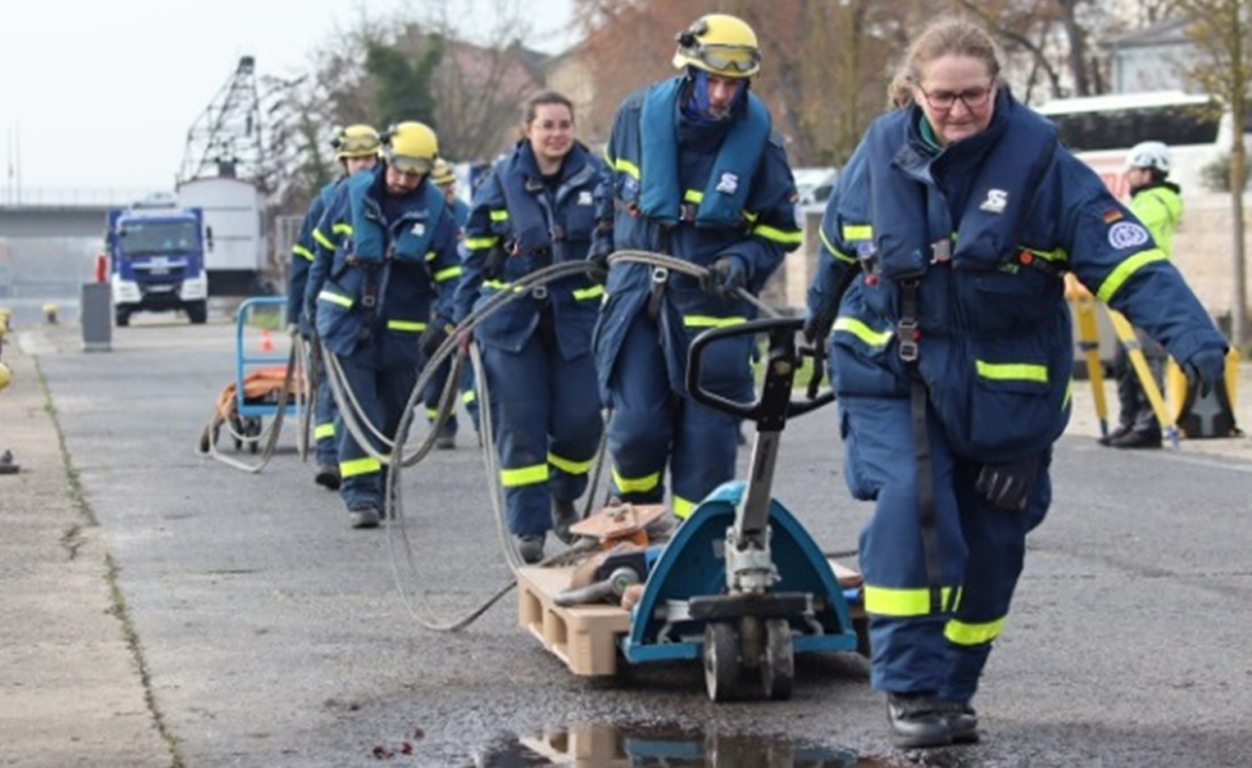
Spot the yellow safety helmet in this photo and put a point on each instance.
(411, 147)
(356, 141)
(5, 376)
(721, 44)
(442, 174)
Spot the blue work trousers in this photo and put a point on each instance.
(382, 395)
(652, 425)
(325, 413)
(545, 415)
(432, 395)
(981, 549)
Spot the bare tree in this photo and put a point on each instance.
(1222, 32)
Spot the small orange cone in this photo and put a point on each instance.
(267, 343)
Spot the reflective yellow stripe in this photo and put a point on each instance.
(468, 396)
(431, 413)
(431, 256)
(708, 321)
(892, 601)
(973, 634)
(784, 236)
(857, 232)
(323, 240)
(302, 252)
(594, 292)
(683, 508)
(334, 298)
(1012, 371)
(499, 214)
(831, 249)
(357, 467)
(636, 484)
(1069, 394)
(862, 331)
(341, 228)
(1127, 268)
(324, 430)
(447, 274)
(751, 216)
(411, 326)
(693, 196)
(500, 285)
(513, 478)
(570, 466)
(477, 243)
(624, 166)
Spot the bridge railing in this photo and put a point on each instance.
(63, 197)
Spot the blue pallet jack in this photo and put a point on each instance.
(740, 584)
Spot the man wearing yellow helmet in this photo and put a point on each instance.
(695, 172)
(356, 149)
(389, 242)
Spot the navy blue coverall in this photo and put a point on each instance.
(545, 407)
(694, 190)
(969, 241)
(390, 264)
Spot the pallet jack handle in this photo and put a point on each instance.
(770, 411)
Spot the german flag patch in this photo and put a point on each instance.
(1111, 215)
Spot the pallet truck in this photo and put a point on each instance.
(740, 584)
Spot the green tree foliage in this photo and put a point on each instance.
(403, 84)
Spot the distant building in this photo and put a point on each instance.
(1154, 58)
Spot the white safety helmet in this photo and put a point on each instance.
(1149, 154)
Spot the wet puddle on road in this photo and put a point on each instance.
(661, 746)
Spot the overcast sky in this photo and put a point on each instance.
(101, 95)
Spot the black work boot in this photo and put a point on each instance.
(530, 547)
(364, 517)
(1138, 439)
(563, 516)
(1121, 431)
(327, 476)
(918, 720)
(963, 721)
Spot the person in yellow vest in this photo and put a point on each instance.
(1156, 202)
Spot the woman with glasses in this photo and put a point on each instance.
(535, 210)
(696, 173)
(951, 352)
(388, 243)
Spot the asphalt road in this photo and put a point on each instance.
(273, 635)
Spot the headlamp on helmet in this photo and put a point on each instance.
(411, 147)
(719, 44)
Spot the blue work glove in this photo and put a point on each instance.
(1205, 368)
(728, 273)
(436, 331)
(1008, 486)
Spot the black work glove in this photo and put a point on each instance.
(1205, 368)
(598, 259)
(1008, 486)
(728, 273)
(819, 321)
(436, 331)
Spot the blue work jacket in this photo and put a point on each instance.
(384, 279)
(986, 226)
(694, 192)
(519, 224)
(303, 254)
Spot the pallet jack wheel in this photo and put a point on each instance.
(722, 667)
(778, 667)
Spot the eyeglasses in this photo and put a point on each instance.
(972, 98)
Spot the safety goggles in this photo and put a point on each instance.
(411, 166)
(725, 58)
(356, 145)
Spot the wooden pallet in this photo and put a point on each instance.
(586, 637)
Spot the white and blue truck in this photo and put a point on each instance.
(156, 253)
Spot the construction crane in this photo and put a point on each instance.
(225, 141)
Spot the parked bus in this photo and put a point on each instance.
(1100, 130)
